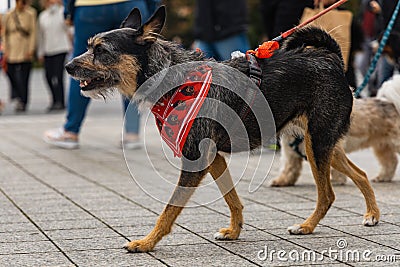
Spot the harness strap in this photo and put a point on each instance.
(255, 70)
(295, 145)
(255, 75)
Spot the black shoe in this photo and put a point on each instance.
(56, 107)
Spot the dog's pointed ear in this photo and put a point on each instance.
(154, 25)
(133, 20)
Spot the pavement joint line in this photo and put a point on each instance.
(16, 164)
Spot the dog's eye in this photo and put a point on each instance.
(99, 50)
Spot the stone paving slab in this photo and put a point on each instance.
(78, 208)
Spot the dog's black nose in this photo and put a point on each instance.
(70, 67)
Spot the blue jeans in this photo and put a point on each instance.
(88, 21)
(222, 49)
(132, 117)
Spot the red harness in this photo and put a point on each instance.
(175, 115)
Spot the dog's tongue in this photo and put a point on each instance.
(84, 83)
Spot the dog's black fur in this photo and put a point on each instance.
(303, 82)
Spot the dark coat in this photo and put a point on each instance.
(216, 20)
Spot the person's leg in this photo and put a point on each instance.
(49, 73)
(22, 71)
(26, 71)
(225, 47)
(130, 111)
(130, 138)
(18, 82)
(11, 73)
(89, 20)
(132, 117)
(59, 61)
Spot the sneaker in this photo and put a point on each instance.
(130, 142)
(61, 138)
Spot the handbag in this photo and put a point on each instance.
(337, 23)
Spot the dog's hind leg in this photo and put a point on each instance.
(219, 171)
(341, 163)
(325, 196)
(188, 182)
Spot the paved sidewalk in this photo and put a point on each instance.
(78, 208)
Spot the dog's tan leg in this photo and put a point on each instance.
(386, 155)
(187, 184)
(325, 196)
(292, 164)
(219, 171)
(341, 163)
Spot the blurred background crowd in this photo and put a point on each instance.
(45, 33)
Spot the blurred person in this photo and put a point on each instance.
(369, 22)
(54, 42)
(220, 27)
(19, 40)
(91, 17)
(387, 63)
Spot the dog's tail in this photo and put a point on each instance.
(312, 36)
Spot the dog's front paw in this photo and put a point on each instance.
(299, 229)
(370, 219)
(139, 246)
(280, 182)
(227, 234)
(382, 179)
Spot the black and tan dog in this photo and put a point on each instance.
(303, 83)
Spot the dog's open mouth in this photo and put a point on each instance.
(91, 84)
